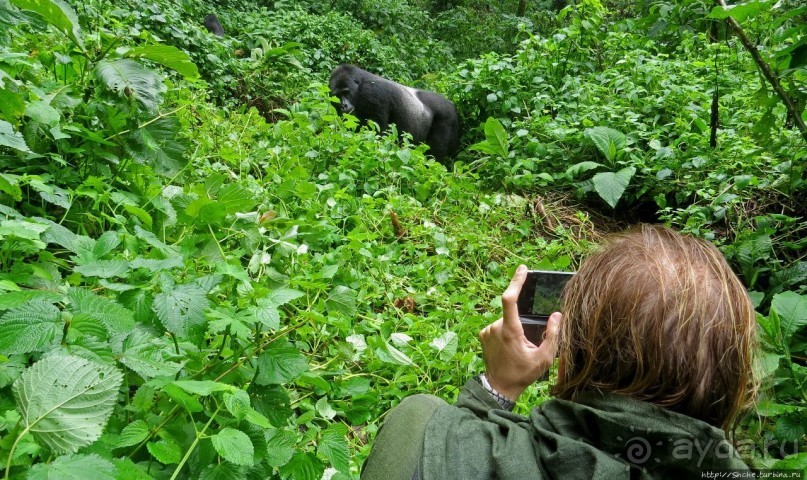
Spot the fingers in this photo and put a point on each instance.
(510, 296)
(549, 347)
(485, 332)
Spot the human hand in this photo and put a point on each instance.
(512, 362)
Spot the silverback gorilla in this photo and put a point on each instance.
(429, 117)
(213, 25)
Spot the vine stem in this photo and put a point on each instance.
(14, 447)
(193, 445)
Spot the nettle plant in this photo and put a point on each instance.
(782, 410)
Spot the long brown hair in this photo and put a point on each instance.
(660, 317)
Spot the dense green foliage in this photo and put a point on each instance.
(206, 273)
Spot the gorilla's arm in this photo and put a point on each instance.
(372, 101)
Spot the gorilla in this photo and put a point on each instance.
(429, 117)
(213, 25)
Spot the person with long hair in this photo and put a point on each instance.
(654, 347)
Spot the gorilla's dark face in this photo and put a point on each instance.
(344, 86)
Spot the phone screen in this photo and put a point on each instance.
(540, 295)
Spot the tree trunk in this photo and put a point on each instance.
(522, 8)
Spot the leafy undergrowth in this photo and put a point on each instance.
(188, 291)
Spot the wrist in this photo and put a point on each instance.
(504, 400)
(511, 392)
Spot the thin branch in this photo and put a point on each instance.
(769, 74)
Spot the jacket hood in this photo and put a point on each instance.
(597, 436)
(613, 432)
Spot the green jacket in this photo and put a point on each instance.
(599, 436)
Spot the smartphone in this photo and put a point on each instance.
(539, 297)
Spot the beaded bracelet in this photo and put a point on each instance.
(503, 401)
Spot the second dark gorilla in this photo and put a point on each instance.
(429, 117)
(213, 25)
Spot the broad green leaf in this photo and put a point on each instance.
(10, 138)
(582, 167)
(282, 296)
(20, 297)
(165, 451)
(117, 318)
(234, 446)
(797, 462)
(167, 56)
(29, 328)
(140, 303)
(280, 447)
(11, 369)
(767, 408)
(607, 140)
(446, 345)
(57, 13)
(496, 137)
(189, 402)
(51, 193)
(324, 409)
(151, 239)
(154, 265)
(203, 387)
(756, 298)
(158, 144)
(133, 434)
(342, 300)
(128, 78)
(128, 470)
(280, 363)
(266, 313)
(302, 466)
(257, 435)
(106, 243)
(359, 345)
(333, 446)
(65, 401)
(223, 471)
(10, 185)
(103, 268)
(400, 339)
(356, 386)
(238, 403)
(74, 467)
(792, 310)
(224, 318)
(12, 104)
(41, 112)
(271, 401)
(24, 231)
(182, 311)
(611, 185)
(390, 354)
(235, 198)
(150, 356)
(89, 326)
(739, 12)
(789, 429)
